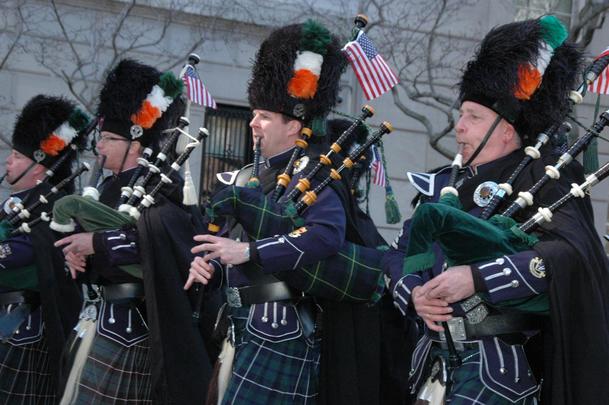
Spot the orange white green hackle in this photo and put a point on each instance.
(530, 75)
(65, 133)
(158, 100)
(309, 59)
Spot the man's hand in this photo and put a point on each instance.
(431, 310)
(79, 243)
(453, 285)
(225, 249)
(76, 262)
(200, 272)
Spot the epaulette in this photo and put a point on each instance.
(424, 183)
(230, 178)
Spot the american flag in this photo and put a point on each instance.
(196, 91)
(377, 165)
(373, 73)
(601, 84)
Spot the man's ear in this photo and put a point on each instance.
(135, 148)
(294, 127)
(39, 170)
(509, 133)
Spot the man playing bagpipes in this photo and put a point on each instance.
(39, 302)
(513, 90)
(274, 329)
(135, 342)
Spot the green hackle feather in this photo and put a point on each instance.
(79, 119)
(553, 31)
(315, 37)
(171, 85)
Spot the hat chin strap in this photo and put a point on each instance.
(23, 173)
(120, 169)
(484, 141)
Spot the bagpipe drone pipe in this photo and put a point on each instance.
(261, 216)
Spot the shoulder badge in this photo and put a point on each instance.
(297, 232)
(537, 267)
(301, 164)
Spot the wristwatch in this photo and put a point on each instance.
(246, 253)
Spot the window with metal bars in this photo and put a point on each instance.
(228, 147)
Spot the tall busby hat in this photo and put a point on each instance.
(47, 128)
(138, 102)
(297, 71)
(524, 72)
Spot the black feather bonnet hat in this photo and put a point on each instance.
(297, 71)
(524, 72)
(49, 127)
(138, 102)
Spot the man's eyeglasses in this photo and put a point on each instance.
(106, 138)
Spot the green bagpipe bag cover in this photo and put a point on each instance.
(361, 276)
(466, 239)
(92, 216)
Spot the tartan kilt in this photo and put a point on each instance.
(468, 389)
(115, 374)
(25, 375)
(272, 373)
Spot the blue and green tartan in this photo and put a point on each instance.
(271, 373)
(360, 278)
(467, 388)
(115, 374)
(25, 375)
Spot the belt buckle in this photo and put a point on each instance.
(233, 298)
(456, 326)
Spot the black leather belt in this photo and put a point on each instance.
(493, 325)
(258, 294)
(19, 297)
(124, 291)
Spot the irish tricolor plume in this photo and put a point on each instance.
(530, 75)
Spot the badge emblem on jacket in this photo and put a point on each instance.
(484, 193)
(301, 164)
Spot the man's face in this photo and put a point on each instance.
(474, 121)
(114, 147)
(275, 133)
(16, 164)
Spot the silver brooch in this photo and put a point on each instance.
(39, 155)
(299, 110)
(301, 164)
(136, 131)
(484, 193)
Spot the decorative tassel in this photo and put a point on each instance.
(189, 191)
(392, 209)
(590, 159)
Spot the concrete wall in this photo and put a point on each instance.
(226, 60)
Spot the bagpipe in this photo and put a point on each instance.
(459, 233)
(92, 215)
(262, 216)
